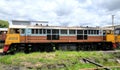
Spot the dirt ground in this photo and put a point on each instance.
(10, 67)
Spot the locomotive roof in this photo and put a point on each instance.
(57, 27)
(44, 25)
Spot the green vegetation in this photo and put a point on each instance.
(59, 60)
(3, 24)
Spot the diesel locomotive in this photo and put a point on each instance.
(29, 36)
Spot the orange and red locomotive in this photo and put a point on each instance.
(33, 36)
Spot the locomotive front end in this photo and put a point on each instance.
(13, 36)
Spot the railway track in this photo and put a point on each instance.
(97, 64)
(112, 51)
(99, 68)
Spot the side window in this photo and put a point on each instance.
(48, 31)
(36, 31)
(44, 31)
(17, 31)
(97, 31)
(117, 32)
(72, 32)
(11, 31)
(82, 34)
(55, 31)
(79, 31)
(93, 32)
(33, 31)
(52, 34)
(104, 32)
(85, 31)
(89, 31)
(108, 32)
(40, 31)
(63, 31)
(22, 31)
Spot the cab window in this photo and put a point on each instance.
(22, 31)
(14, 31)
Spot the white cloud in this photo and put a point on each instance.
(62, 12)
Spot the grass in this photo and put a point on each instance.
(68, 59)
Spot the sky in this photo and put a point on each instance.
(62, 12)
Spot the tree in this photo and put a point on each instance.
(4, 24)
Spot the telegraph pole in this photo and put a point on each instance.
(113, 23)
(113, 27)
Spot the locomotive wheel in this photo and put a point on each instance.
(26, 50)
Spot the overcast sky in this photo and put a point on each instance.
(62, 12)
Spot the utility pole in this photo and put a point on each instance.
(113, 27)
(113, 23)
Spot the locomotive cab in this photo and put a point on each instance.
(13, 36)
(117, 39)
(114, 37)
(110, 37)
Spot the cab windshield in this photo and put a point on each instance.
(17, 31)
